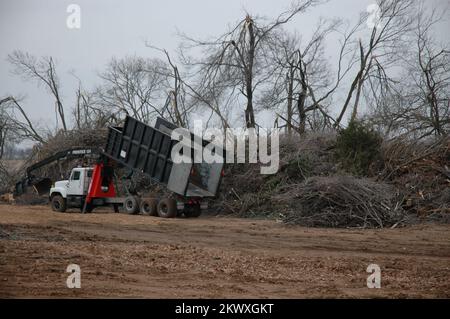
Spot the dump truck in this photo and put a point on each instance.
(147, 150)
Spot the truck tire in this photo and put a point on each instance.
(131, 205)
(149, 206)
(59, 204)
(167, 208)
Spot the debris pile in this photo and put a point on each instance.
(247, 193)
(66, 139)
(421, 172)
(410, 183)
(340, 201)
(61, 141)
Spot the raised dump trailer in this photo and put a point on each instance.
(146, 150)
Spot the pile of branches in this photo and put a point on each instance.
(409, 183)
(309, 155)
(420, 170)
(340, 202)
(62, 141)
(67, 139)
(246, 192)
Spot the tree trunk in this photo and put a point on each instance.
(2, 141)
(356, 84)
(301, 111)
(290, 99)
(355, 106)
(249, 111)
(302, 100)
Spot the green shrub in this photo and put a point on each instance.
(357, 148)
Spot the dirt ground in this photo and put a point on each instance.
(213, 257)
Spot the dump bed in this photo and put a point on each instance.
(148, 150)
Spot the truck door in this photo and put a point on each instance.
(75, 186)
(87, 180)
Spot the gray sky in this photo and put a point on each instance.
(119, 28)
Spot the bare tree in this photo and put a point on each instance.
(432, 78)
(177, 105)
(44, 72)
(237, 62)
(375, 56)
(134, 86)
(18, 124)
(15, 126)
(4, 129)
(417, 103)
(89, 113)
(304, 83)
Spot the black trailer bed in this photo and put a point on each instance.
(148, 150)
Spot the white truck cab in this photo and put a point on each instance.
(72, 191)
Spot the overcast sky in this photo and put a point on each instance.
(119, 28)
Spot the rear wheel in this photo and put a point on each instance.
(149, 206)
(167, 208)
(131, 205)
(58, 204)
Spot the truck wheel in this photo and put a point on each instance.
(167, 208)
(149, 207)
(193, 211)
(131, 205)
(58, 204)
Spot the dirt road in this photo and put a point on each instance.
(209, 257)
